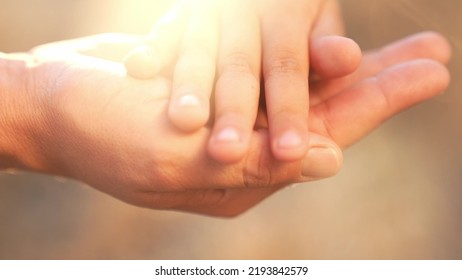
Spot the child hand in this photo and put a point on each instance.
(255, 39)
(185, 39)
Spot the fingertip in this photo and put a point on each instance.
(323, 159)
(228, 145)
(189, 120)
(289, 146)
(141, 63)
(423, 78)
(353, 54)
(442, 76)
(188, 113)
(441, 44)
(334, 56)
(427, 44)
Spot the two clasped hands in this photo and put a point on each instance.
(222, 104)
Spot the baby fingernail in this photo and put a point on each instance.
(189, 100)
(321, 162)
(145, 50)
(229, 134)
(141, 63)
(289, 140)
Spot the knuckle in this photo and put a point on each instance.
(257, 171)
(257, 177)
(379, 88)
(237, 62)
(261, 170)
(236, 72)
(195, 67)
(233, 83)
(284, 64)
(325, 121)
(195, 57)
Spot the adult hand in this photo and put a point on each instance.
(77, 114)
(83, 118)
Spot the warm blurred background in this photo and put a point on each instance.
(399, 195)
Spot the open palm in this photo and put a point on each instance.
(112, 131)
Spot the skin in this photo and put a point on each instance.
(214, 52)
(73, 115)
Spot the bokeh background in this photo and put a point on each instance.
(399, 195)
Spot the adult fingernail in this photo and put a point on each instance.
(321, 162)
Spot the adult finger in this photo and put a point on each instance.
(377, 98)
(429, 45)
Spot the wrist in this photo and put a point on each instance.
(21, 116)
